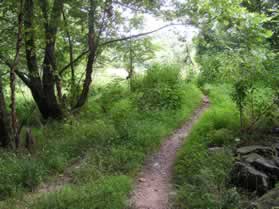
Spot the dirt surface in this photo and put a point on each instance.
(153, 187)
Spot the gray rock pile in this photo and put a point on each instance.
(268, 201)
(256, 168)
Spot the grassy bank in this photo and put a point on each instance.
(201, 169)
(112, 135)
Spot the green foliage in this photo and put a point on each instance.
(121, 113)
(237, 44)
(10, 175)
(260, 107)
(32, 173)
(19, 174)
(112, 135)
(220, 137)
(240, 92)
(130, 160)
(256, 105)
(106, 193)
(135, 52)
(111, 93)
(201, 174)
(162, 88)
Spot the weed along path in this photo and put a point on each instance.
(154, 182)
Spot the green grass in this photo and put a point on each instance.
(113, 134)
(201, 175)
(106, 193)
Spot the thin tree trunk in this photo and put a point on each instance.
(13, 76)
(131, 65)
(59, 90)
(87, 82)
(91, 57)
(71, 54)
(5, 129)
(241, 120)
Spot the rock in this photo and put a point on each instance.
(261, 150)
(276, 146)
(206, 100)
(251, 157)
(247, 177)
(275, 131)
(264, 165)
(142, 180)
(269, 201)
(216, 149)
(156, 165)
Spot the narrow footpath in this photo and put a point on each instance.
(153, 186)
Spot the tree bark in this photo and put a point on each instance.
(13, 75)
(49, 65)
(91, 56)
(43, 89)
(71, 54)
(5, 129)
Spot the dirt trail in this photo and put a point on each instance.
(154, 182)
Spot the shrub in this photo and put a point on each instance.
(203, 185)
(220, 137)
(17, 172)
(113, 92)
(206, 89)
(260, 107)
(32, 173)
(10, 172)
(121, 112)
(54, 160)
(161, 88)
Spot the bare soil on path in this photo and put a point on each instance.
(153, 187)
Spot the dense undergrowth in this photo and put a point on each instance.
(112, 135)
(203, 164)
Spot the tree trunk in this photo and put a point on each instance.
(13, 75)
(91, 57)
(5, 129)
(87, 82)
(49, 69)
(43, 89)
(71, 54)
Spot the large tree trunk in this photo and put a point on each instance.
(43, 89)
(49, 78)
(5, 129)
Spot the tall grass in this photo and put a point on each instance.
(112, 134)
